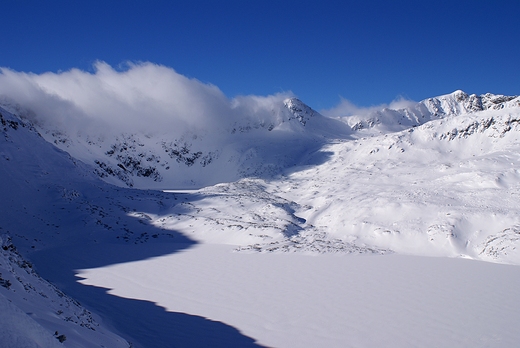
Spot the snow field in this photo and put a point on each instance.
(297, 300)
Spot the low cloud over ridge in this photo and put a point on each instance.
(347, 108)
(146, 97)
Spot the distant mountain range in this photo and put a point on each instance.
(228, 152)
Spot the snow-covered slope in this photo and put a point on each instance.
(272, 138)
(441, 178)
(449, 187)
(263, 144)
(399, 188)
(41, 192)
(37, 314)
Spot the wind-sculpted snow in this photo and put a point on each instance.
(448, 187)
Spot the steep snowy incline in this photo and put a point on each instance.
(448, 187)
(37, 314)
(431, 189)
(41, 187)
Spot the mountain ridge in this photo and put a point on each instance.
(447, 105)
(231, 152)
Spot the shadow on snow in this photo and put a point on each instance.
(142, 323)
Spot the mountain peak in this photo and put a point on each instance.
(300, 111)
(460, 94)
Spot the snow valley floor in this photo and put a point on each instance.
(398, 227)
(295, 300)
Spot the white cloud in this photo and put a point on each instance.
(347, 108)
(145, 96)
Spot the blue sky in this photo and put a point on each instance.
(369, 52)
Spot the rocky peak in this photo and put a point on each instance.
(299, 110)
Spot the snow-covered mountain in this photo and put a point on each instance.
(211, 154)
(449, 105)
(248, 147)
(439, 178)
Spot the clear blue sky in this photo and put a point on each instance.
(369, 52)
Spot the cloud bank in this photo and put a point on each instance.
(346, 108)
(146, 97)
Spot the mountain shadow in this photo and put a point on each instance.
(142, 323)
(114, 237)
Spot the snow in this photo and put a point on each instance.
(393, 228)
(419, 191)
(18, 329)
(295, 300)
(42, 309)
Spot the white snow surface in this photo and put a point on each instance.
(296, 300)
(390, 228)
